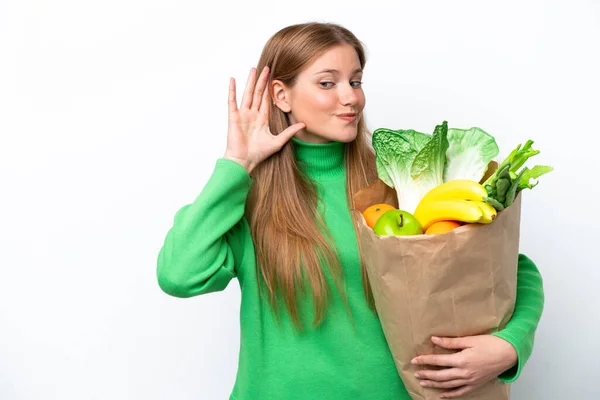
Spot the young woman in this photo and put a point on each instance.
(275, 215)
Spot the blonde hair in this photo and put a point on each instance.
(286, 228)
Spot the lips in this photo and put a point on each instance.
(347, 116)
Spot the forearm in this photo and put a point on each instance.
(520, 330)
(195, 257)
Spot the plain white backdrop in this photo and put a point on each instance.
(113, 113)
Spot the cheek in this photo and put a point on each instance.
(322, 101)
(326, 101)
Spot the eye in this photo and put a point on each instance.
(326, 85)
(356, 84)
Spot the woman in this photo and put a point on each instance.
(275, 215)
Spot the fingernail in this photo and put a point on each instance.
(423, 383)
(414, 361)
(435, 338)
(417, 375)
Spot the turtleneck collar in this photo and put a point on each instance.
(320, 161)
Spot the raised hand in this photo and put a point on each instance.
(249, 139)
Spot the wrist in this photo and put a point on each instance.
(511, 355)
(248, 166)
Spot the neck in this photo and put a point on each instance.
(320, 160)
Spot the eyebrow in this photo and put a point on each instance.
(335, 71)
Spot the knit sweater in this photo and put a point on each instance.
(346, 356)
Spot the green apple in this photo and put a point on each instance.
(397, 223)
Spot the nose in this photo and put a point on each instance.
(348, 95)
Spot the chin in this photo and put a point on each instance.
(337, 137)
(345, 137)
(335, 134)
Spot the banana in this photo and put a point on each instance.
(459, 189)
(441, 210)
(489, 212)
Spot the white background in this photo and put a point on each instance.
(113, 113)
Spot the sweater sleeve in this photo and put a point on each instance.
(202, 250)
(520, 330)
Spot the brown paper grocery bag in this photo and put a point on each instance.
(458, 284)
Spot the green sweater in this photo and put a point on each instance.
(209, 244)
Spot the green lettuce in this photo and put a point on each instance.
(469, 154)
(411, 162)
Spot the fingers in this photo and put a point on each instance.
(260, 88)
(249, 91)
(265, 105)
(452, 343)
(232, 102)
(455, 383)
(441, 360)
(287, 134)
(458, 392)
(449, 374)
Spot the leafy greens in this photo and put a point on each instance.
(411, 162)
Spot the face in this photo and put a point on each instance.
(327, 97)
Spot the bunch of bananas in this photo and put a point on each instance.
(459, 200)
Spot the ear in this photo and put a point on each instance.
(281, 96)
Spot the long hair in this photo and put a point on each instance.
(291, 240)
